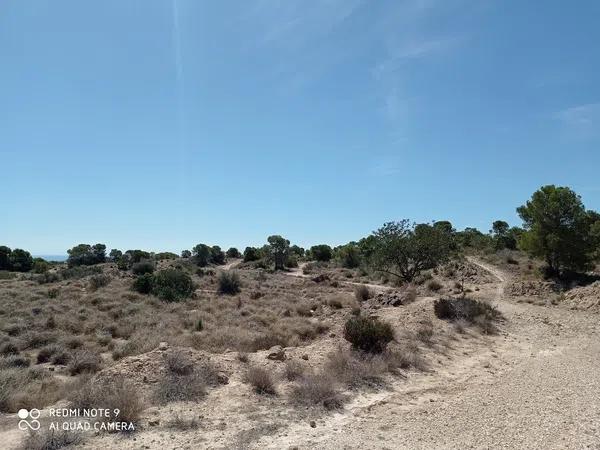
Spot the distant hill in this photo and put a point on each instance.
(59, 258)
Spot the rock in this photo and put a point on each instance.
(163, 346)
(222, 378)
(154, 422)
(276, 353)
(313, 424)
(320, 278)
(305, 357)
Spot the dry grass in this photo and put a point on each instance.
(51, 440)
(317, 390)
(184, 380)
(113, 393)
(261, 380)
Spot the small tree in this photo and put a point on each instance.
(21, 260)
(217, 256)
(5, 257)
(186, 254)
(115, 255)
(321, 252)
(278, 250)
(349, 256)
(201, 254)
(233, 252)
(557, 229)
(504, 236)
(86, 255)
(405, 251)
(251, 254)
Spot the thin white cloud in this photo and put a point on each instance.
(581, 121)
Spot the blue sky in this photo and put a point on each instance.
(160, 124)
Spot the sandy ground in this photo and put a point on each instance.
(535, 385)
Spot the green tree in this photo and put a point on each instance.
(5, 257)
(21, 260)
(201, 254)
(115, 255)
(297, 251)
(251, 254)
(217, 256)
(278, 250)
(557, 229)
(321, 252)
(186, 254)
(503, 235)
(405, 250)
(233, 252)
(349, 255)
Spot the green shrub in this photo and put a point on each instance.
(368, 334)
(229, 283)
(251, 254)
(233, 253)
(172, 285)
(143, 283)
(20, 260)
(143, 267)
(40, 265)
(321, 252)
(79, 272)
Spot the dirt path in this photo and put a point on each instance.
(297, 272)
(534, 386)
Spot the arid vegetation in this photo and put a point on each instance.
(305, 329)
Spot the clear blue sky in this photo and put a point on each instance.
(159, 124)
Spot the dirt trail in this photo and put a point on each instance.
(536, 385)
(297, 272)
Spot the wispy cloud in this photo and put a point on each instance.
(581, 121)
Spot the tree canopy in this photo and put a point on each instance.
(557, 229)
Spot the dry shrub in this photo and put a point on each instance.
(8, 348)
(229, 283)
(28, 388)
(434, 285)
(472, 311)
(425, 331)
(184, 380)
(362, 293)
(356, 368)
(14, 361)
(47, 352)
(409, 295)
(84, 361)
(180, 423)
(261, 380)
(405, 355)
(317, 390)
(51, 440)
(109, 393)
(293, 370)
(137, 344)
(98, 281)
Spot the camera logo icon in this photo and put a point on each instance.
(29, 419)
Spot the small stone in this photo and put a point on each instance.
(276, 353)
(305, 357)
(154, 422)
(313, 424)
(222, 378)
(163, 346)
